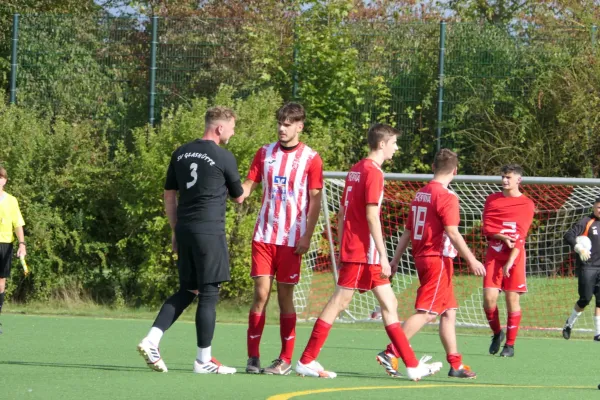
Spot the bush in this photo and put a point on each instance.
(61, 176)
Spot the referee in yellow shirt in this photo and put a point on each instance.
(10, 219)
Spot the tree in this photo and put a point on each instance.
(10, 7)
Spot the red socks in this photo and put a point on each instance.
(401, 344)
(493, 319)
(512, 327)
(256, 325)
(315, 343)
(391, 349)
(287, 331)
(455, 360)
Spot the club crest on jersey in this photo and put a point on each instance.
(279, 191)
(279, 181)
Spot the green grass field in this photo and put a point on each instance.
(59, 357)
(546, 305)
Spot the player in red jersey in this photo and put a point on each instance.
(364, 261)
(507, 216)
(432, 227)
(291, 174)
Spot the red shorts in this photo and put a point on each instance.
(275, 260)
(494, 275)
(436, 294)
(362, 277)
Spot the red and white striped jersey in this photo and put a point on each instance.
(287, 176)
(364, 185)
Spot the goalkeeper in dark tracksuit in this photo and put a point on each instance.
(588, 267)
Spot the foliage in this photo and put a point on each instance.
(81, 68)
(513, 108)
(10, 7)
(61, 176)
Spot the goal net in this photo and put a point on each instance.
(551, 274)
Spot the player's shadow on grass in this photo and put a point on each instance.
(84, 366)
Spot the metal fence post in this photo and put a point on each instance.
(295, 61)
(13, 60)
(152, 89)
(593, 32)
(442, 53)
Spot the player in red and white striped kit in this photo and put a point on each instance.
(364, 262)
(291, 174)
(507, 216)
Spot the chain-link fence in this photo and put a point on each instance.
(416, 75)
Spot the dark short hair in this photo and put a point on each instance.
(218, 113)
(380, 133)
(514, 168)
(292, 112)
(445, 161)
(597, 200)
(3, 173)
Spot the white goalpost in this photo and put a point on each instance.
(551, 274)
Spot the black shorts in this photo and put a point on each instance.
(202, 259)
(6, 254)
(588, 284)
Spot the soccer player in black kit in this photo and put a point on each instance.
(204, 174)
(588, 268)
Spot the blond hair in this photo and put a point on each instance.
(218, 113)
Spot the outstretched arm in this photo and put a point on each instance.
(462, 248)
(249, 185)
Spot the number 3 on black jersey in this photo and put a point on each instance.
(194, 175)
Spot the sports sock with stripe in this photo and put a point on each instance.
(398, 338)
(256, 325)
(493, 319)
(512, 327)
(315, 343)
(287, 331)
